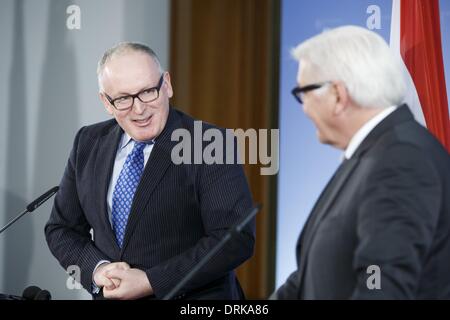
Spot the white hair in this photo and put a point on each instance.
(123, 48)
(361, 59)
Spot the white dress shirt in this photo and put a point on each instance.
(364, 131)
(125, 147)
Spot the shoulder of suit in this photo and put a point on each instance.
(187, 122)
(409, 141)
(413, 134)
(99, 129)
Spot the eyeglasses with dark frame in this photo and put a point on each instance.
(147, 95)
(299, 92)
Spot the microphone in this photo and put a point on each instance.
(39, 201)
(32, 206)
(36, 293)
(30, 292)
(236, 229)
(43, 295)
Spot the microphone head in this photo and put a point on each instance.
(30, 292)
(36, 293)
(43, 295)
(39, 201)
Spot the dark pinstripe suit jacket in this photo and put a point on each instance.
(178, 214)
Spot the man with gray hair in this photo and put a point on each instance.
(152, 221)
(381, 227)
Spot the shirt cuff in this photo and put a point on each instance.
(95, 288)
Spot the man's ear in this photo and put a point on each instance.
(168, 84)
(106, 104)
(342, 97)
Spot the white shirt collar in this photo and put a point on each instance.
(126, 139)
(364, 131)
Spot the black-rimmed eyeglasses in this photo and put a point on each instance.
(299, 92)
(145, 96)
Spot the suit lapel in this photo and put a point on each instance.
(103, 169)
(322, 208)
(156, 167)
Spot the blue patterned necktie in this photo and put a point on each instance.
(125, 188)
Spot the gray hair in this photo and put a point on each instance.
(361, 59)
(125, 47)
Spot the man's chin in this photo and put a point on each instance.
(323, 139)
(143, 134)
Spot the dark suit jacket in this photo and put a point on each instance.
(178, 214)
(389, 206)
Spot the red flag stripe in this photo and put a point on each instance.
(421, 49)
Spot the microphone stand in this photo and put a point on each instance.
(236, 229)
(38, 294)
(14, 220)
(32, 206)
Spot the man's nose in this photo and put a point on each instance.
(138, 106)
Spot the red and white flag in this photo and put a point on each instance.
(416, 37)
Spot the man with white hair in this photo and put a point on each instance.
(381, 227)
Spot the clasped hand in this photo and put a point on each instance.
(121, 282)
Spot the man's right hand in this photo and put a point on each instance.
(100, 278)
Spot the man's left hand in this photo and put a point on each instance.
(134, 284)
